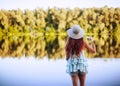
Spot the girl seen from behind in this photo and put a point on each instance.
(76, 60)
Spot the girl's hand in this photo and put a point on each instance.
(91, 38)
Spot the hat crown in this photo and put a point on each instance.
(75, 32)
(76, 29)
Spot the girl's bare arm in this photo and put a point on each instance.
(91, 48)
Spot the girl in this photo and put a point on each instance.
(76, 60)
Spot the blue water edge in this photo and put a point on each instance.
(44, 72)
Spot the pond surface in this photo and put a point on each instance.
(45, 72)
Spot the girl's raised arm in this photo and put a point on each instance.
(91, 48)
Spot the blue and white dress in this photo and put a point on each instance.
(76, 63)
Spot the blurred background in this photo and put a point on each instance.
(33, 36)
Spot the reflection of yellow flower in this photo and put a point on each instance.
(36, 33)
(50, 34)
(116, 34)
(1, 35)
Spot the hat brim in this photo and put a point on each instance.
(75, 36)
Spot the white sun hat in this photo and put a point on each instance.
(75, 32)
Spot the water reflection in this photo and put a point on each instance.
(51, 44)
(41, 33)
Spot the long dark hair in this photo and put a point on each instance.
(74, 46)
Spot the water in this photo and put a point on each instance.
(44, 72)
